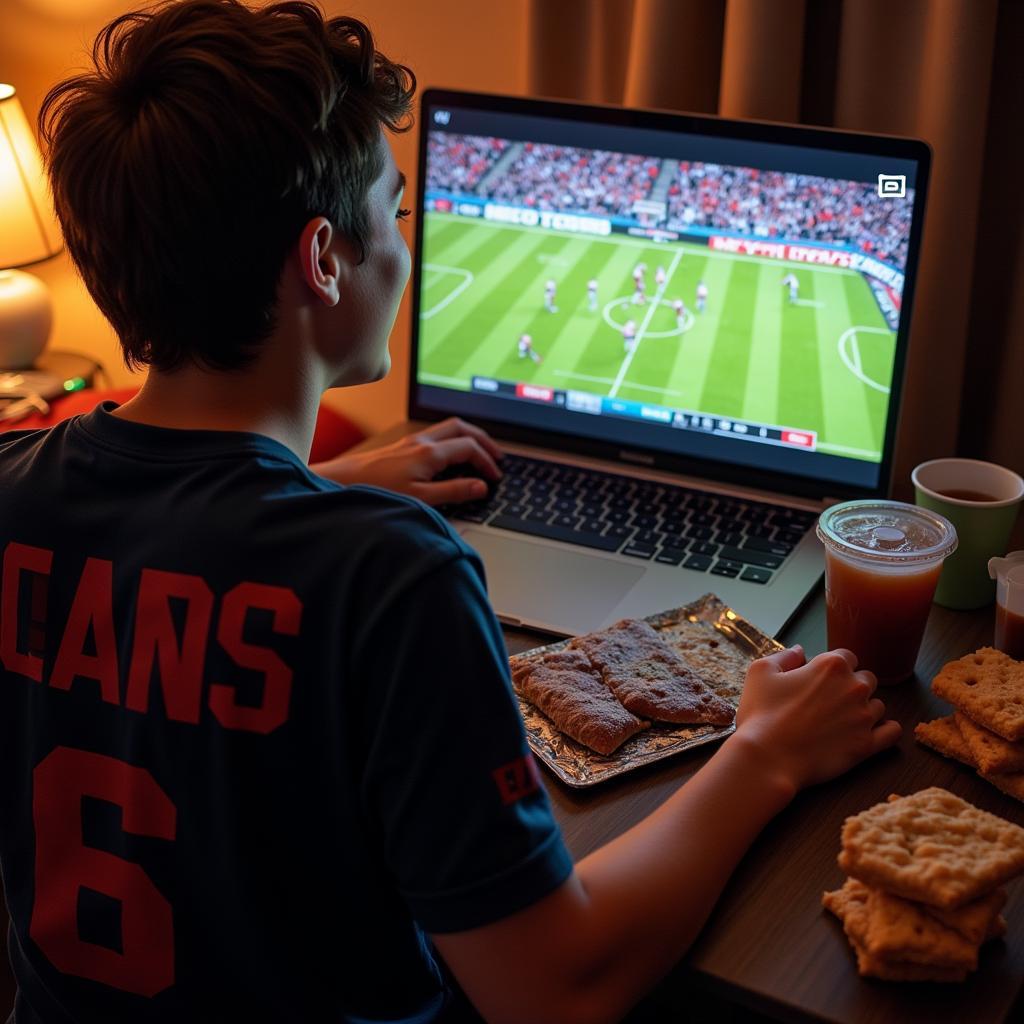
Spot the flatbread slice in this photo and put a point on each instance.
(716, 660)
(580, 705)
(649, 678)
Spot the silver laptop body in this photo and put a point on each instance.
(545, 229)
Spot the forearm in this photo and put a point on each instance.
(342, 469)
(648, 893)
(589, 950)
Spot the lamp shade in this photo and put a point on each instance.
(28, 229)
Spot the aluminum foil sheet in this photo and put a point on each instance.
(719, 655)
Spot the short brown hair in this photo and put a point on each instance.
(186, 163)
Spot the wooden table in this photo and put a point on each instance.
(768, 945)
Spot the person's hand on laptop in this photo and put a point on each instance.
(411, 465)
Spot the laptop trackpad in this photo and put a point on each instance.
(579, 592)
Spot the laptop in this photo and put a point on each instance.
(687, 333)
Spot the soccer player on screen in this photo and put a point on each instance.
(549, 296)
(702, 296)
(680, 310)
(794, 286)
(629, 335)
(526, 349)
(592, 295)
(639, 284)
(660, 277)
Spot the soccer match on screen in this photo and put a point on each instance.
(693, 291)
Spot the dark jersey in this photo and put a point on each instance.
(257, 736)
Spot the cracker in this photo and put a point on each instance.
(851, 905)
(976, 921)
(992, 753)
(931, 847)
(1011, 785)
(944, 735)
(900, 930)
(869, 966)
(988, 686)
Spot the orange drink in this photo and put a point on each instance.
(882, 564)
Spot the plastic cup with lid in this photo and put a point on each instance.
(882, 563)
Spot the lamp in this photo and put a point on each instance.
(28, 234)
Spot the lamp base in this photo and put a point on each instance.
(26, 316)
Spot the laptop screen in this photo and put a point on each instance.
(731, 296)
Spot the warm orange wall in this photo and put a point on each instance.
(453, 43)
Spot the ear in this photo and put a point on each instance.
(326, 260)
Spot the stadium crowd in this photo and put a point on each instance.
(771, 204)
(558, 178)
(564, 178)
(764, 204)
(456, 163)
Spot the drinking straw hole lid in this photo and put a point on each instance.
(890, 532)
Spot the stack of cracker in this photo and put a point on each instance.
(986, 731)
(924, 891)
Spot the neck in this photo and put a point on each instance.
(280, 403)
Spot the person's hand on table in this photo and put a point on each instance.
(811, 721)
(410, 465)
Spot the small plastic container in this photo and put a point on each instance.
(882, 564)
(1008, 573)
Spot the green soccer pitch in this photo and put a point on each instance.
(821, 364)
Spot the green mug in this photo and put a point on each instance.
(981, 500)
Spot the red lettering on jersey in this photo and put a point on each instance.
(517, 779)
(181, 666)
(19, 558)
(65, 865)
(93, 607)
(277, 676)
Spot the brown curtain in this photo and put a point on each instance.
(946, 71)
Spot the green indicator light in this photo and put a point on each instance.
(74, 384)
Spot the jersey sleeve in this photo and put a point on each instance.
(448, 781)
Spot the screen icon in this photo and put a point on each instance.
(892, 186)
(444, 116)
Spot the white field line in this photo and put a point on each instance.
(853, 349)
(454, 293)
(646, 322)
(630, 242)
(809, 302)
(843, 449)
(608, 380)
(853, 362)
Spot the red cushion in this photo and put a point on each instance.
(334, 433)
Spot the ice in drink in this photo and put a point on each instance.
(882, 564)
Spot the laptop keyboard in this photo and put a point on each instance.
(697, 530)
